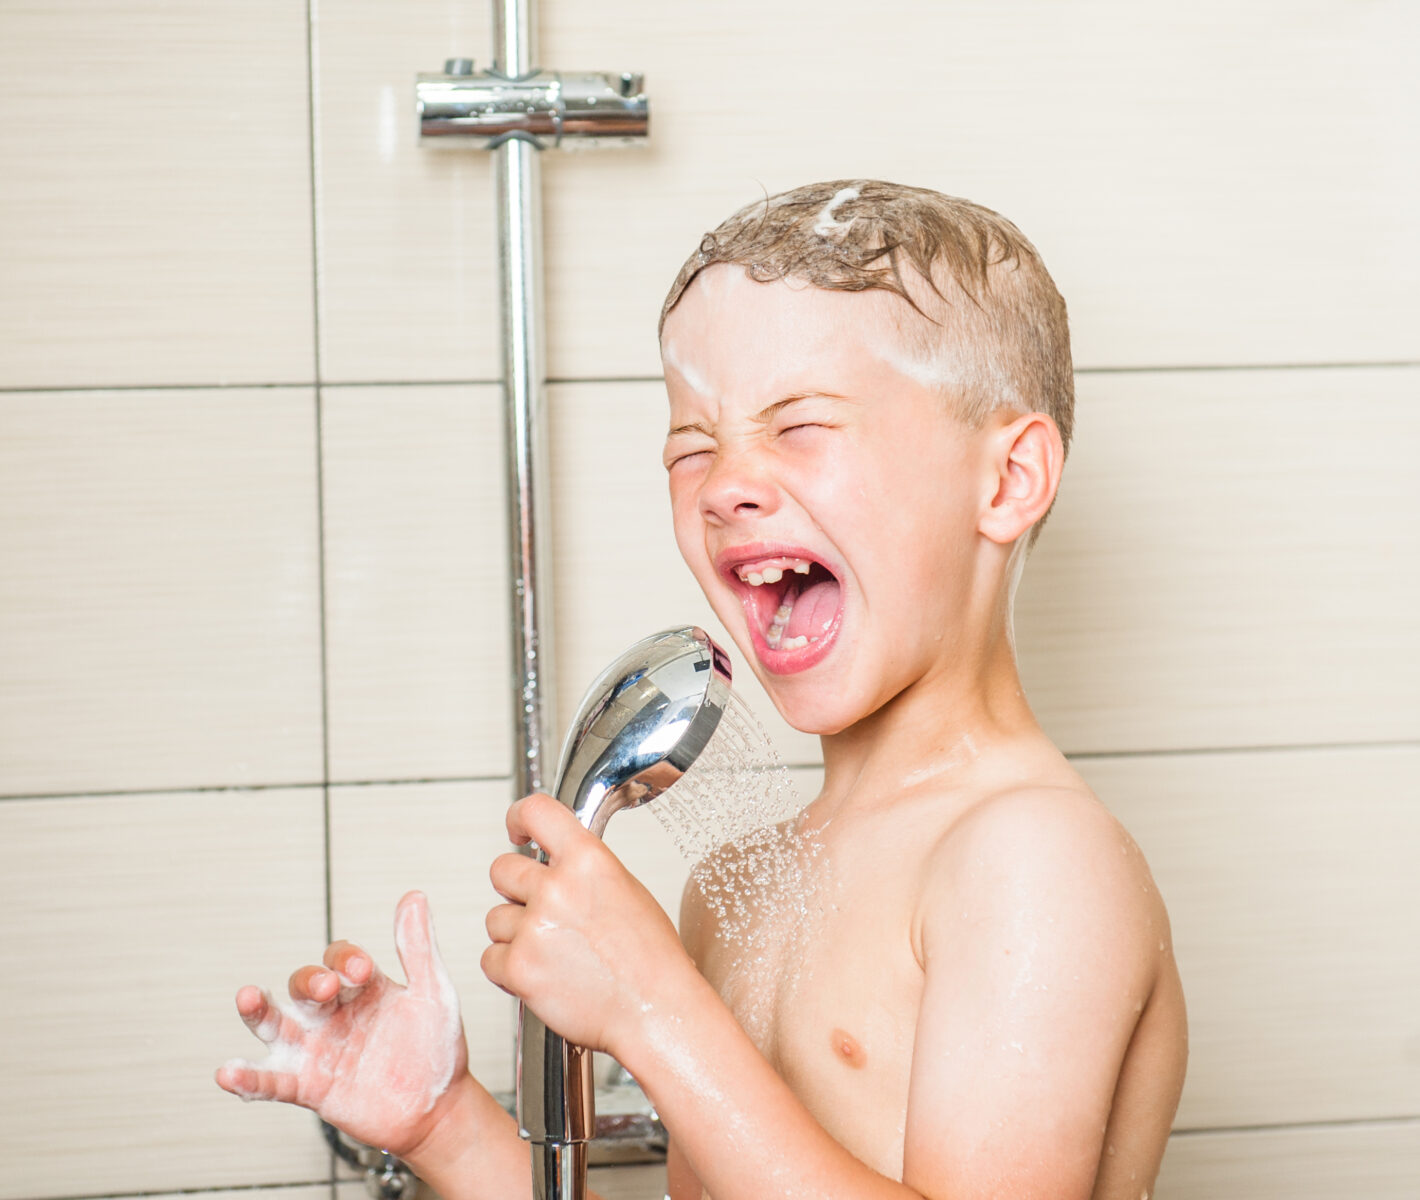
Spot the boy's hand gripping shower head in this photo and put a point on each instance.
(640, 726)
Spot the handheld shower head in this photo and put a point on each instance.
(641, 724)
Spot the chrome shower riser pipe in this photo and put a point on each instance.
(514, 36)
(519, 202)
(518, 173)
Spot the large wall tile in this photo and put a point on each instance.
(409, 257)
(131, 922)
(416, 581)
(440, 838)
(1379, 1162)
(1208, 183)
(159, 604)
(155, 213)
(1296, 922)
(1233, 562)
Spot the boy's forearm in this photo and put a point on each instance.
(743, 1131)
(474, 1153)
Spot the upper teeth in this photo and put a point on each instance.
(800, 566)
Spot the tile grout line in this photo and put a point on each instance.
(1279, 1127)
(560, 381)
(313, 178)
(1308, 1126)
(410, 781)
(216, 1189)
(1263, 748)
(313, 151)
(219, 788)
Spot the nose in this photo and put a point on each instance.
(738, 487)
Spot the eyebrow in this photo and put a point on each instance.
(697, 427)
(763, 415)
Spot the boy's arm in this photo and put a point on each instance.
(984, 1119)
(1040, 936)
(386, 1063)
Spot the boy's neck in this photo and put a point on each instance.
(936, 732)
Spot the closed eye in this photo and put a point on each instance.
(685, 456)
(800, 428)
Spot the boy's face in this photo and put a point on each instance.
(826, 500)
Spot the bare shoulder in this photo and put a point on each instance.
(1033, 859)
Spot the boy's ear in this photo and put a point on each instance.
(1027, 456)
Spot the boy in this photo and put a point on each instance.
(871, 398)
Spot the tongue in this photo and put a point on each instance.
(813, 610)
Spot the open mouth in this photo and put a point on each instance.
(792, 603)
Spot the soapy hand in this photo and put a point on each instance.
(581, 942)
(368, 1055)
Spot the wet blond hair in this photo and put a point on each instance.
(992, 327)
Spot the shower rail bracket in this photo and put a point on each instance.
(567, 110)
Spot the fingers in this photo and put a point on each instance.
(353, 965)
(515, 876)
(541, 819)
(495, 966)
(259, 1014)
(416, 946)
(314, 985)
(504, 921)
(250, 1082)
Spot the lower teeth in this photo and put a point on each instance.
(775, 633)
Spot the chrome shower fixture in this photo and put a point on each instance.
(550, 109)
(640, 726)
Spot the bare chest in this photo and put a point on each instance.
(825, 983)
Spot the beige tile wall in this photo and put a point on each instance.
(155, 217)
(415, 582)
(161, 591)
(252, 649)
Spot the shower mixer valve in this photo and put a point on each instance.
(550, 109)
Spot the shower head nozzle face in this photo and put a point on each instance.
(642, 723)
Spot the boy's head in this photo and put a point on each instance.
(871, 395)
(981, 317)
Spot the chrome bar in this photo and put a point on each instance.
(518, 184)
(559, 1170)
(518, 187)
(514, 37)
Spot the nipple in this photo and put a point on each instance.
(846, 1046)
